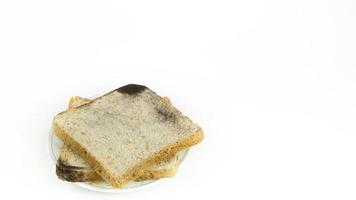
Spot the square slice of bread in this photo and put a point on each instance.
(126, 131)
(72, 167)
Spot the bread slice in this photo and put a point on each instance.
(72, 167)
(126, 131)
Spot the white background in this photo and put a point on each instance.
(272, 83)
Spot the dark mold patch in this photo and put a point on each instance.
(63, 164)
(165, 115)
(131, 89)
(70, 173)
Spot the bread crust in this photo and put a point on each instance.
(82, 174)
(72, 174)
(139, 169)
(158, 174)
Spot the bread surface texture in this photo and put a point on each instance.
(72, 167)
(125, 132)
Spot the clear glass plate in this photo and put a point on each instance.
(55, 145)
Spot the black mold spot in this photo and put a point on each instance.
(70, 173)
(166, 115)
(63, 164)
(131, 89)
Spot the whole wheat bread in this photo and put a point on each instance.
(72, 167)
(124, 132)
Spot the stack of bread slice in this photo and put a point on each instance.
(127, 134)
